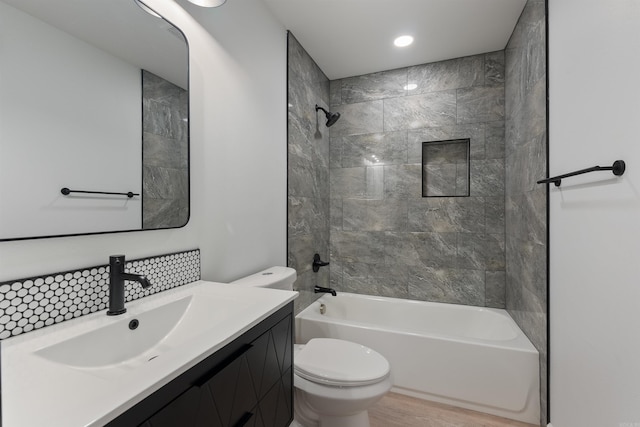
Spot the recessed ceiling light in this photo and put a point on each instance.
(403, 41)
(410, 86)
(208, 3)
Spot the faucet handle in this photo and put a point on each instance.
(317, 263)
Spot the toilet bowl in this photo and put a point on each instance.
(335, 381)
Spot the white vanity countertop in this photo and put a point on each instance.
(40, 392)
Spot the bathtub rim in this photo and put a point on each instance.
(519, 343)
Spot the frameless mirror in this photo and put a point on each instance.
(94, 99)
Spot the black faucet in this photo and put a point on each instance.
(317, 263)
(117, 276)
(319, 289)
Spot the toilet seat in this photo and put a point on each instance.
(340, 363)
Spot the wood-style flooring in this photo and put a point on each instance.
(397, 410)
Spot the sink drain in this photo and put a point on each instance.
(134, 324)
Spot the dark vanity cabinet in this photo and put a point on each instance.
(249, 382)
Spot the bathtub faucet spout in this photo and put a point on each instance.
(319, 289)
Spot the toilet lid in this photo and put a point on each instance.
(340, 363)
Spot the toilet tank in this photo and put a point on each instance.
(273, 277)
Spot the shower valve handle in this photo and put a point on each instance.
(317, 263)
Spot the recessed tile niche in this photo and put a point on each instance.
(445, 168)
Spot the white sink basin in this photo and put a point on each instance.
(115, 349)
(86, 371)
(117, 342)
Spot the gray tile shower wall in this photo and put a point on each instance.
(308, 172)
(526, 162)
(36, 302)
(386, 239)
(165, 154)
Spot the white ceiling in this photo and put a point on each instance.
(119, 27)
(354, 37)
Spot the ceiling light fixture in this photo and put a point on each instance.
(208, 3)
(403, 41)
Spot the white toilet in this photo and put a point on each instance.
(335, 381)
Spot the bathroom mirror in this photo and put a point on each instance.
(93, 97)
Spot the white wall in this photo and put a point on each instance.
(56, 91)
(238, 155)
(594, 69)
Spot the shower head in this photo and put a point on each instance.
(332, 118)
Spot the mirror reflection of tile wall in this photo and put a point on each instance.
(165, 154)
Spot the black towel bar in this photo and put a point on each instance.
(66, 192)
(618, 169)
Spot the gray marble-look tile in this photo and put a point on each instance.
(335, 214)
(475, 132)
(161, 90)
(403, 180)
(164, 119)
(302, 98)
(300, 64)
(494, 288)
(303, 178)
(363, 117)
(335, 152)
(526, 269)
(445, 75)
(530, 121)
(335, 274)
(494, 140)
(462, 179)
(487, 177)
(347, 183)
(301, 250)
(525, 166)
(481, 251)
(160, 151)
(450, 152)
(448, 285)
(527, 216)
(374, 215)
(165, 183)
(164, 213)
(515, 81)
(386, 148)
(439, 180)
(421, 249)
(306, 215)
(357, 246)
(335, 92)
(480, 104)
(447, 215)
(369, 87)
(304, 284)
(531, 25)
(374, 279)
(357, 183)
(419, 111)
(494, 209)
(494, 68)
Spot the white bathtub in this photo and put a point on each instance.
(471, 357)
